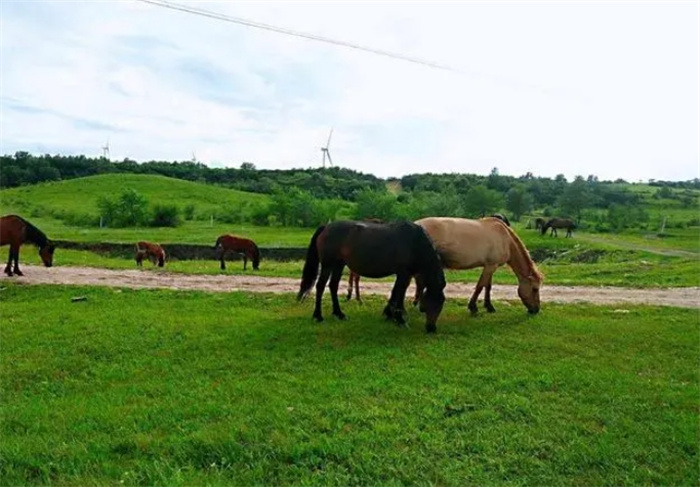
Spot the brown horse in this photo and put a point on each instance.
(375, 250)
(354, 278)
(15, 231)
(555, 223)
(244, 246)
(487, 243)
(152, 251)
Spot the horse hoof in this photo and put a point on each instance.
(491, 309)
(318, 319)
(340, 316)
(19, 273)
(430, 328)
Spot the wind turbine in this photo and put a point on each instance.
(105, 150)
(326, 152)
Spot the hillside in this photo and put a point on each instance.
(82, 194)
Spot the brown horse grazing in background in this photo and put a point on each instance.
(487, 243)
(354, 278)
(229, 243)
(375, 250)
(15, 231)
(152, 251)
(555, 223)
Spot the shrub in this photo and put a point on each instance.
(165, 216)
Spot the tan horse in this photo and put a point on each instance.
(487, 243)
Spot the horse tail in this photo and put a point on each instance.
(545, 226)
(161, 257)
(310, 273)
(218, 242)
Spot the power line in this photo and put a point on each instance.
(282, 30)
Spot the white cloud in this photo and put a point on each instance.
(573, 88)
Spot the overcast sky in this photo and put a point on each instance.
(601, 88)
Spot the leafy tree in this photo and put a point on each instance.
(518, 201)
(575, 198)
(481, 201)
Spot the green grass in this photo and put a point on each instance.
(174, 388)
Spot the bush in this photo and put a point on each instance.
(130, 209)
(188, 212)
(165, 216)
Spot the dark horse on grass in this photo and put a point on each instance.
(354, 279)
(555, 223)
(375, 250)
(15, 231)
(229, 243)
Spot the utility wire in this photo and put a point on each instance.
(282, 30)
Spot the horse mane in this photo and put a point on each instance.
(33, 234)
(532, 267)
(426, 246)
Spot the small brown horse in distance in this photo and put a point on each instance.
(487, 243)
(246, 247)
(555, 223)
(354, 278)
(152, 251)
(15, 231)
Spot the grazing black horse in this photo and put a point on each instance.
(375, 250)
(555, 223)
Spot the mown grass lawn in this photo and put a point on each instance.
(184, 388)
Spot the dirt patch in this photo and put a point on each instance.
(87, 276)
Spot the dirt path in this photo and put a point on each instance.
(681, 297)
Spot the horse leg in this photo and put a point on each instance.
(245, 261)
(487, 296)
(484, 279)
(336, 276)
(223, 265)
(16, 258)
(398, 295)
(320, 286)
(8, 267)
(420, 287)
(350, 279)
(357, 288)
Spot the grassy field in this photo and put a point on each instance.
(235, 389)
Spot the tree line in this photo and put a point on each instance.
(307, 197)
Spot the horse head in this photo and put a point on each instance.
(529, 292)
(46, 253)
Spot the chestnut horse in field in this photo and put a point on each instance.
(487, 243)
(15, 231)
(152, 251)
(229, 243)
(375, 250)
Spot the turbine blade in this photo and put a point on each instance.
(329, 139)
(329, 158)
